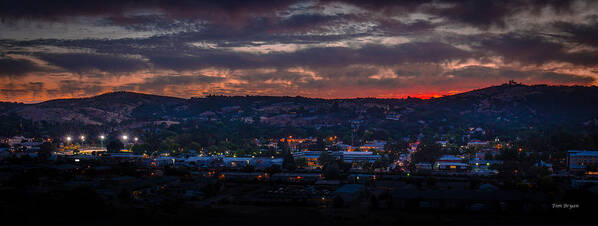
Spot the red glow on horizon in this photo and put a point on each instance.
(427, 96)
(423, 96)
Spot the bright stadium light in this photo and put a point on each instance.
(102, 137)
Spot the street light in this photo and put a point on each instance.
(102, 137)
(82, 138)
(135, 139)
(125, 137)
(69, 138)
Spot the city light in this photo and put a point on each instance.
(102, 137)
(82, 138)
(135, 139)
(68, 138)
(125, 137)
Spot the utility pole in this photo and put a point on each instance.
(354, 126)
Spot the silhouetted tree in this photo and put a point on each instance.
(332, 171)
(139, 148)
(427, 151)
(45, 150)
(151, 138)
(115, 146)
(301, 162)
(324, 158)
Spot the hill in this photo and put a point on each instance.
(113, 107)
(508, 103)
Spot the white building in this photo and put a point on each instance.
(359, 156)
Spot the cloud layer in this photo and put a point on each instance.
(330, 49)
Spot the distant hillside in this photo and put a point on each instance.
(111, 107)
(505, 103)
(540, 102)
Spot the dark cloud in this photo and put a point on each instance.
(535, 50)
(585, 34)
(484, 14)
(478, 13)
(388, 7)
(393, 27)
(493, 75)
(85, 62)
(17, 67)
(315, 57)
(161, 82)
(277, 76)
(481, 14)
(216, 11)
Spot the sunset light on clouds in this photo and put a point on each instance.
(326, 49)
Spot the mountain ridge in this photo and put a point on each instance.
(132, 93)
(537, 103)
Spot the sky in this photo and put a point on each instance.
(324, 49)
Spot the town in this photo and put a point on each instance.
(295, 112)
(479, 176)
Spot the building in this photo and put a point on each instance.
(344, 147)
(454, 166)
(295, 142)
(450, 159)
(450, 162)
(263, 163)
(312, 157)
(477, 143)
(91, 150)
(31, 145)
(442, 143)
(353, 157)
(162, 162)
(580, 160)
(423, 166)
(234, 162)
(359, 156)
(202, 161)
(16, 140)
(377, 145)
